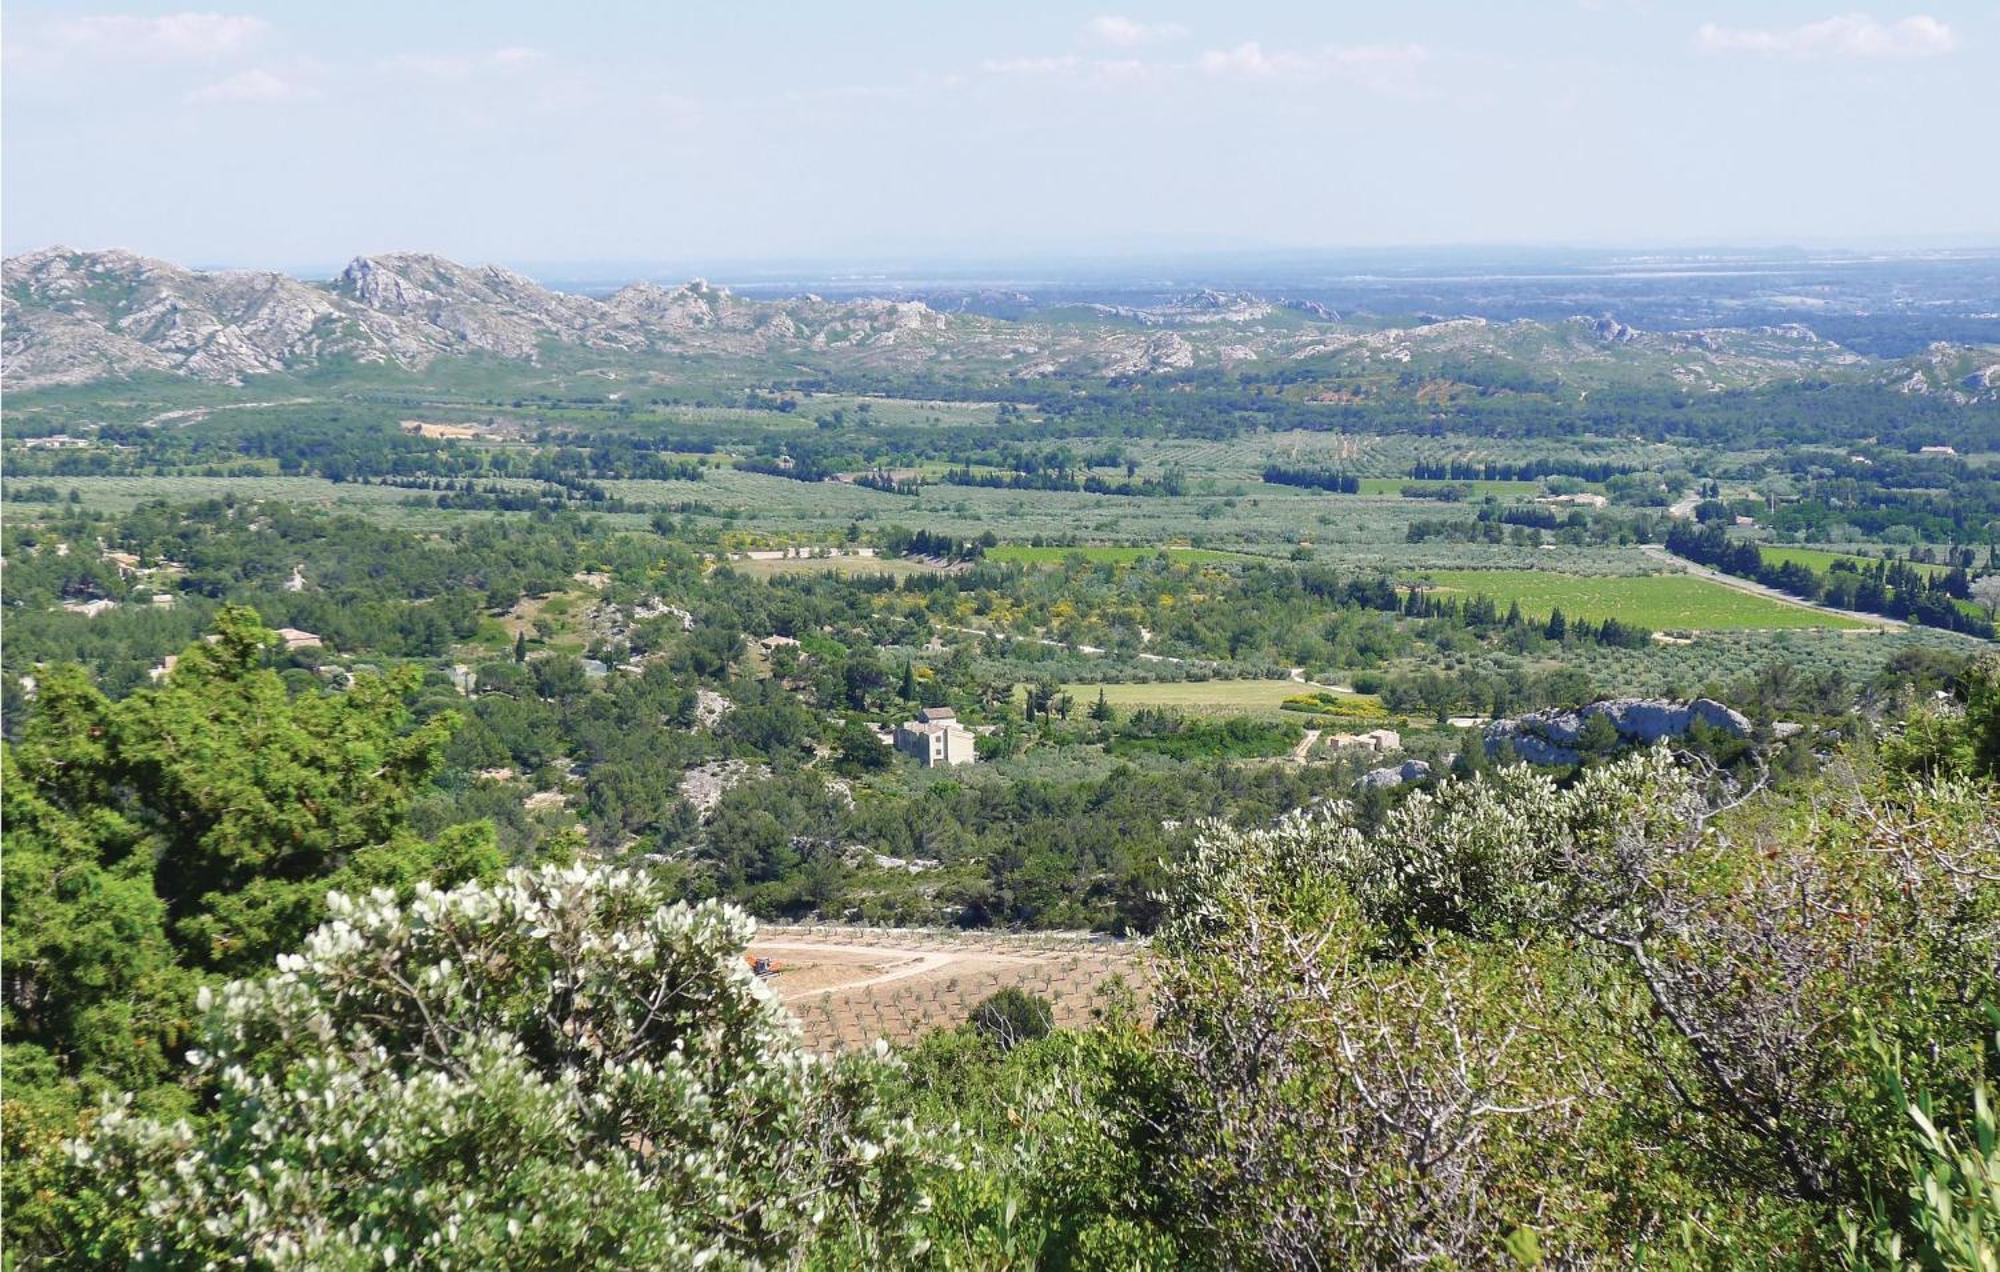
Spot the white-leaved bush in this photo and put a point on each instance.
(559, 1069)
(1358, 1016)
(1370, 1031)
(1347, 1062)
(1515, 847)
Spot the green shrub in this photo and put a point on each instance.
(1012, 1016)
(559, 1069)
(1948, 1212)
(1344, 705)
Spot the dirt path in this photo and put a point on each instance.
(192, 414)
(913, 962)
(1755, 588)
(1305, 746)
(848, 987)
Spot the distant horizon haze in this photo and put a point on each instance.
(285, 136)
(1435, 262)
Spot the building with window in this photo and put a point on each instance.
(936, 738)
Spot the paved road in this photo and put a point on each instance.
(1659, 553)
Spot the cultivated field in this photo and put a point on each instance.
(1822, 559)
(117, 494)
(1475, 489)
(1024, 554)
(1714, 659)
(830, 565)
(1197, 697)
(850, 986)
(1662, 602)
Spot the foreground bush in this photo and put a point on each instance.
(1949, 1209)
(1623, 1019)
(555, 1070)
(1643, 1018)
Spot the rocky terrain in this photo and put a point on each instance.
(1553, 736)
(1395, 775)
(76, 317)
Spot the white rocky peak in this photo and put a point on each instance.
(77, 316)
(640, 296)
(73, 317)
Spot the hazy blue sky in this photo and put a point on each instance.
(296, 134)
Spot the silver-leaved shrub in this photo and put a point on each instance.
(559, 1069)
(1486, 1022)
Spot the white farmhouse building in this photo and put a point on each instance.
(935, 738)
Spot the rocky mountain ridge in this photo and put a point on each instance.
(76, 317)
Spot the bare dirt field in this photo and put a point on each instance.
(851, 986)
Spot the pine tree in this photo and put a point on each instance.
(1101, 710)
(1598, 736)
(521, 646)
(194, 829)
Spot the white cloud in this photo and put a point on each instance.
(1125, 68)
(1128, 33)
(1852, 35)
(246, 86)
(174, 36)
(1387, 67)
(1030, 65)
(52, 45)
(452, 68)
(1250, 59)
(1102, 70)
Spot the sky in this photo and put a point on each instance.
(298, 135)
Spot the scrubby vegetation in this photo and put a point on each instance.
(396, 772)
(1654, 1012)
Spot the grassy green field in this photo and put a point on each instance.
(831, 565)
(1477, 489)
(1264, 698)
(1659, 601)
(1268, 523)
(1024, 554)
(1822, 559)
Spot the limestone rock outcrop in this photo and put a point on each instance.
(1396, 774)
(1553, 736)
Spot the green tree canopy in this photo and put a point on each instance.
(195, 828)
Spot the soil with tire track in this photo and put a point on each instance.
(850, 986)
